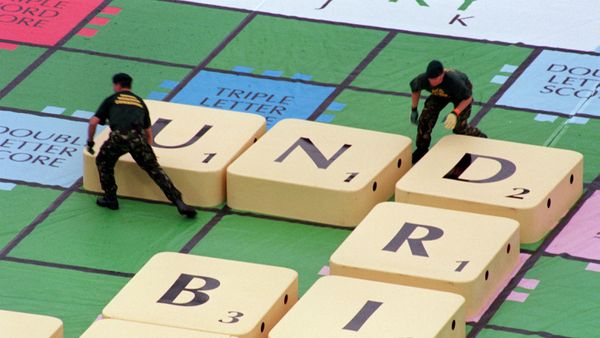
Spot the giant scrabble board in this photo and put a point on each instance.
(535, 67)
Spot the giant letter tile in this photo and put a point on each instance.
(25, 325)
(193, 144)
(532, 184)
(469, 254)
(318, 172)
(207, 294)
(119, 328)
(341, 307)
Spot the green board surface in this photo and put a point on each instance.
(62, 256)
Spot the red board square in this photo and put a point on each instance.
(111, 10)
(87, 32)
(42, 22)
(98, 21)
(8, 46)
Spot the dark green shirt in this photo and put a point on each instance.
(455, 87)
(124, 111)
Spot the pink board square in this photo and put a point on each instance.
(581, 236)
(516, 296)
(87, 32)
(593, 267)
(111, 10)
(98, 21)
(8, 46)
(324, 271)
(54, 19)
(529, 284)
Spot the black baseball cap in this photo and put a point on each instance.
(434, 69)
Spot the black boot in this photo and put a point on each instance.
(418, 154)
(184, 209)
(108, 201)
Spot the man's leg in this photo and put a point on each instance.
(464, 128)
(427, 120)
(144, 156)
(109, 153)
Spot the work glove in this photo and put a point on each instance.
(450, 121)
(414, 116)
(90, 147)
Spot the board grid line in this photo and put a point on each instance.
(211, 56)
(352, 76)
(523, 331)
(203, 232)
(67, 267)
(26, 231)
(539, 252)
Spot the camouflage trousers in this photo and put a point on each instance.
(428, 119)
(134, 143)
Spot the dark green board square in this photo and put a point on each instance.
(327, 52)
(77, 298)
(19, 207)
(15, 61)
(386, 113)
(565, 302)
(519, 126)
(162, 31)
(80, 233)
(304, 248)
(407, 56)
(80, 81)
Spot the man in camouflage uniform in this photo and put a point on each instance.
(131, 132)
(445, 86)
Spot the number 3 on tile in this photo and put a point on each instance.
(234, 317)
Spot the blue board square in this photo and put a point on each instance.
(508, 68)
(275, 100)
(7, 186)
(336, 106)
(300, 76)
(43, 150)
(243, 69)
(83, 114)
(274, 73)
(157, 96)
(499, 79)
(169, 84)
(558, 82)
(53, 110)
